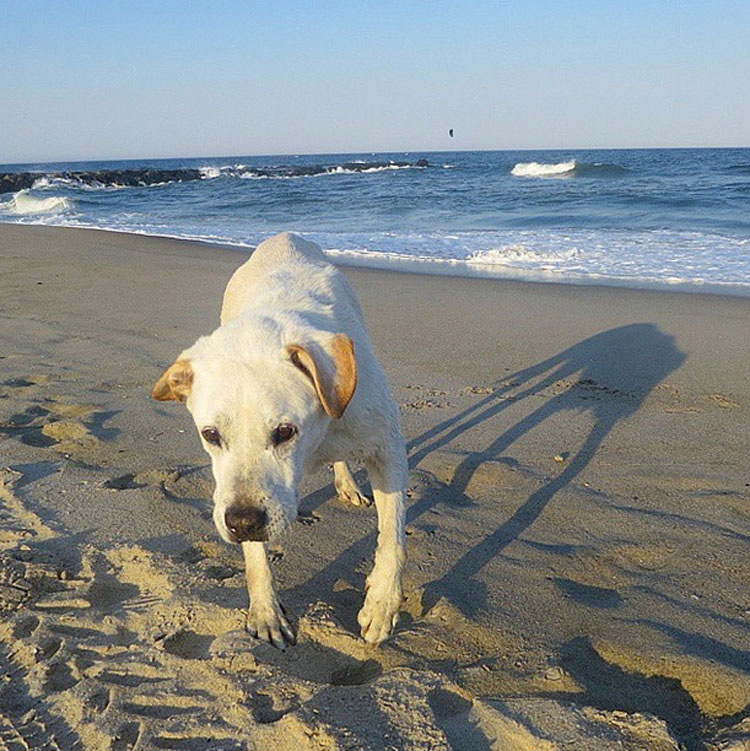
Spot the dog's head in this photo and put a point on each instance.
(260, 416)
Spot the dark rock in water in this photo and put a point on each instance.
(130, 178)
(134, 178)
(311, 170)
(14, 181)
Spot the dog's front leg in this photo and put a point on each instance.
(346, 486)
(379, 614)
(266, 619)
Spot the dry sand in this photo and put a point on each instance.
(579, 521)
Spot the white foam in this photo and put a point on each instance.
(523, 257)
(542, 169)
(209, 171)
(245, 172)
(23, 203)
(466, 268)
(663, 259)
(382, 168)
(42, 183)
(251, 174)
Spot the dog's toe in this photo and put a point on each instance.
(271, 625)
(286, 631)
(276, 638)
(379, 615)
(377, 627)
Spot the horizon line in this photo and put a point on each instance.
(353, 153)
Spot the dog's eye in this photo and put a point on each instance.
(211, 435)
(283, 433)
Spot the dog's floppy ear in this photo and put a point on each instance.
(332, 369)
(175, 383)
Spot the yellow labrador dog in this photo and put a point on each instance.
(287, 383)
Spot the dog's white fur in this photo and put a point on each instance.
(283, 355)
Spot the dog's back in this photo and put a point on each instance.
(284, 255)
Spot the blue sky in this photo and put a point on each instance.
(92, 80)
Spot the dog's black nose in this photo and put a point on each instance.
(246, 523)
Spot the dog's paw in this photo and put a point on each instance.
(352, 494)
(379, 614)
(346, 486)
(267, 621)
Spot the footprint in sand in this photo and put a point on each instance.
(189, 645)
(128, 676)
(264, 710)
(27, 427)
(69, 435)
(100, 699)
(48, 648)
(425, 404)
(123, 482)
(59, 677)
(127, 736)
(53, 421)
(17, 383)
(160, 711)
(25, 627)
(191, 742)
(23, 386)
(308, 519)
(723, 401)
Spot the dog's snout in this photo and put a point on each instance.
(246, 523)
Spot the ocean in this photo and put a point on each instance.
(676, 218)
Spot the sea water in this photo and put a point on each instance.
(652, 217)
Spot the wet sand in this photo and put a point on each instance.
(579, 520)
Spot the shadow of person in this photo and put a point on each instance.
(607, 376)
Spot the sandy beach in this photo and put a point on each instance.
(578, 521)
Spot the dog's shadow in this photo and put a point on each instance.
(603, 379)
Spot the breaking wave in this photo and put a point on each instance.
(571, 168)
(540, 169)
(23, 203)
